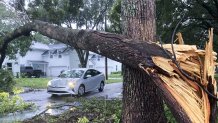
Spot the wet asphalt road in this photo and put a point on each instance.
(42, 99)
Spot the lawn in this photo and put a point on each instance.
(41, 83)
(35, 83)
(115, 80)
(115, 76)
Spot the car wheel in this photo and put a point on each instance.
(101, 87)
(54, 95)
(81, 90)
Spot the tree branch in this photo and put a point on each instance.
(114, 46)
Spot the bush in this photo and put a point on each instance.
(11, 104)
(7, 82)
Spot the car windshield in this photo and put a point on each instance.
(72, 74)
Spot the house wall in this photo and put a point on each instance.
(15, 67)
(31, 55)
(99, 64)
(56, 64)
(74, 59)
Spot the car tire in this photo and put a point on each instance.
(101, 88)
(81, 90)
(54, 95)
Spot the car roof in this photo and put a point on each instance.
(79, 69)
(85, 69)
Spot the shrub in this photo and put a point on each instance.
(11, 104)
(7, 82)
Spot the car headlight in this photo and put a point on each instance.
(71, 84)
(49, 83)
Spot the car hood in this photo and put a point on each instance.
(62, 82)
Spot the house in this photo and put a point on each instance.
(52, 59)
(98, 62)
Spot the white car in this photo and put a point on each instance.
(77, 82)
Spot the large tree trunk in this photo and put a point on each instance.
(141, 102)
(83, 57)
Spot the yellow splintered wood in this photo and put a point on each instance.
(191, 68)
(202, 52)
(163, 64)
(180, 47)
(206, 107)
(180, 39)
(198, 64)
(185, 97)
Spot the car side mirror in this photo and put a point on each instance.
(87, 76)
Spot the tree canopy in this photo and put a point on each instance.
(9, 20)
(199, 16)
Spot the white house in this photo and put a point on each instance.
(52, 59)
(98, 62)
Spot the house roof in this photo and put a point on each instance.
(39, 46)
(45, 53)
(57, 46)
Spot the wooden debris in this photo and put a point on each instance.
(192, 63)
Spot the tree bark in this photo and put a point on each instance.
(141, 101)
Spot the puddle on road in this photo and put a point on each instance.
(52, 110)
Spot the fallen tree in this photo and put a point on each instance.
(181, 81)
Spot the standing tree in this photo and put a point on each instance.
(141, 101)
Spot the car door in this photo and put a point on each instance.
(88, 80)
(96, 79)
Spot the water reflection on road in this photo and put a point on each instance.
(43, 100)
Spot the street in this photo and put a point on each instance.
(42, 100)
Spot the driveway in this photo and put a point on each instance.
(42, 99)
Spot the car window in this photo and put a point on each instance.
(95, 72)
(71, 74)
(88, 72)
(76, 73)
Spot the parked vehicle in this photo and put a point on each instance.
(30, 72)
(77, 82)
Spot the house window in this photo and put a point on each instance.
(51, 56)
(9, 66)
(59, 56)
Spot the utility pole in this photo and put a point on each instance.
(105, 28)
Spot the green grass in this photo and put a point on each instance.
(114, 80)
(35, 83)
(115, 76)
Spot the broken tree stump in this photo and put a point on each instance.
(187, 78)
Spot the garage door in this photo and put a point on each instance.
(55, 71)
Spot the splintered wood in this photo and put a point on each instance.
(197, 64)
